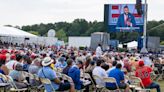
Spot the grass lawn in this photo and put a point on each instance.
(161, 85)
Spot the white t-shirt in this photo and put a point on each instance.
(98, 51)
(147, 61)
(11, 64)
(101, 73)
(121, 62)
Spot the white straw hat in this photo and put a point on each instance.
(47, 61)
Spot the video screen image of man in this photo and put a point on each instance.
(126, 19)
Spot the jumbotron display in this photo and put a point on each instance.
(123, 18)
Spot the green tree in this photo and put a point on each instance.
(81, 27)
(26, 28)
(162, 43)
(34, 32)
(61, 35)
(78, 27)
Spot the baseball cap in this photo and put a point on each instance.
(141, 63)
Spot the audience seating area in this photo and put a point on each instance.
(136, 83)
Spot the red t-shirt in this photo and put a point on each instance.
(144, 74)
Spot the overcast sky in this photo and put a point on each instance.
(27, 12)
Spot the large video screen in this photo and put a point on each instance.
(123, 18)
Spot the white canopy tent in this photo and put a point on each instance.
(14, 35)
(132, 44)
(14, 32)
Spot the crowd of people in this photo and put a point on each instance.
(44, 61)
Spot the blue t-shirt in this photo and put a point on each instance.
(1, 71)
(1, 79)
(26, 67)
(117, 74)
(61, 65)
(47, 72)
(74, 73)
(15, 75)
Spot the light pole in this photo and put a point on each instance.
(144, 50)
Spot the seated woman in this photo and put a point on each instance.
(33, 69)
(27, 62)
(3, 69)
(90, 68)
(18, 76)
(159, 66)
(87, 62)
(61, 63)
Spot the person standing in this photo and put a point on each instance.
(99, 50)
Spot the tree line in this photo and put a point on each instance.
(82, 27)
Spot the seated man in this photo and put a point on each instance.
(143, 72)
(69, 65)
(74, 73)
(119, 76)
(47, 72)
(99, 71)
